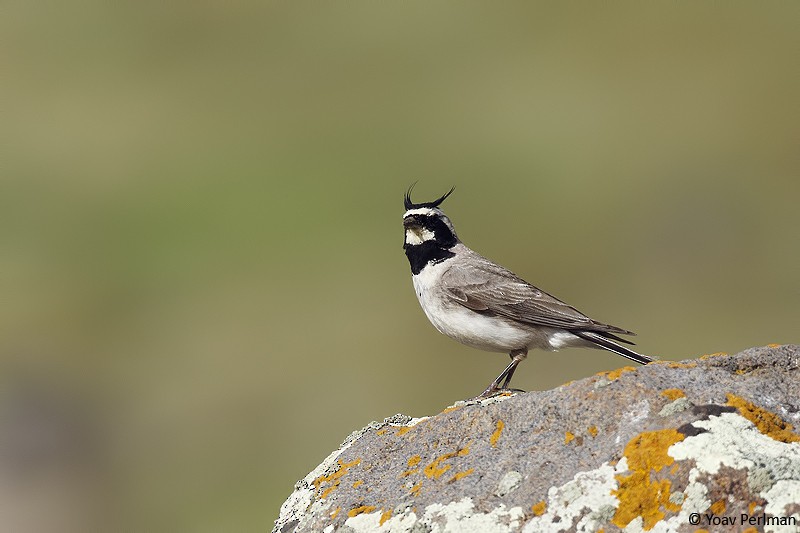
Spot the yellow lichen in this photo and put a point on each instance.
(403, 430)
(413, 463)
(751, 509)
(381, 431)
(710, 355)
(718, 507)
(673, 394)
(773, 345)
(539, 508)
(568, 437)
(433, 470)
(638, 494)
(649, 450)
(592, 431)
(767, 423)
(416, 488)
(751, 530)
(334, 478)
(497, 432)
(358, 510)
(615, 374)
(335, 513)
(451, 408)
(459, 475)
(384, 517)
(675, 364)
(358, 483)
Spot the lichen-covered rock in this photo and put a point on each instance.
(706, 444)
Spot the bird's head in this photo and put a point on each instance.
(427, 225)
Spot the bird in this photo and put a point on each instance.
(481, 304)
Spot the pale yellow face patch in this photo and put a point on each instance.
(418, 235)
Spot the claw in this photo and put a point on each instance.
(491, 392)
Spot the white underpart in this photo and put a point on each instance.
(561, 339)
(479, 331)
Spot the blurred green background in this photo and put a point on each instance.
(201, 270)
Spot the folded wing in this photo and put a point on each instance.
(487, 288)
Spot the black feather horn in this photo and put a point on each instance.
(411, 205)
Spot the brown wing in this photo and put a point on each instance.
(485, 287)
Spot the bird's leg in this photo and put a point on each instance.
(516, 359)
(494, 387)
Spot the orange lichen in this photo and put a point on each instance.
(334, 478)
(335, 513)
(751, 530)
(451, 408)
(767, 423)
(435, 469)
(358, 510)
(416, 488)
(384, 517)
(497, 432)
(413, 463)
(568, 437)
(592, 431)
(752, 508)
(675, 364)
(710, 355)
(673, 394)
(539, 508)
(638, 494)
(358, 483)
(615, 374)
(649, 450)
(403, 430)
(773, 345)
(718, 507)
(459, 475)
(381, 431)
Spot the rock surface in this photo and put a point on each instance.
(636, 449)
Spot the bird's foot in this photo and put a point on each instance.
(491, 392)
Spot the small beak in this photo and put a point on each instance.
(410, 222)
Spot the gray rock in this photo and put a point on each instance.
(636, 449)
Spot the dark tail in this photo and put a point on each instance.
(603, 342)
